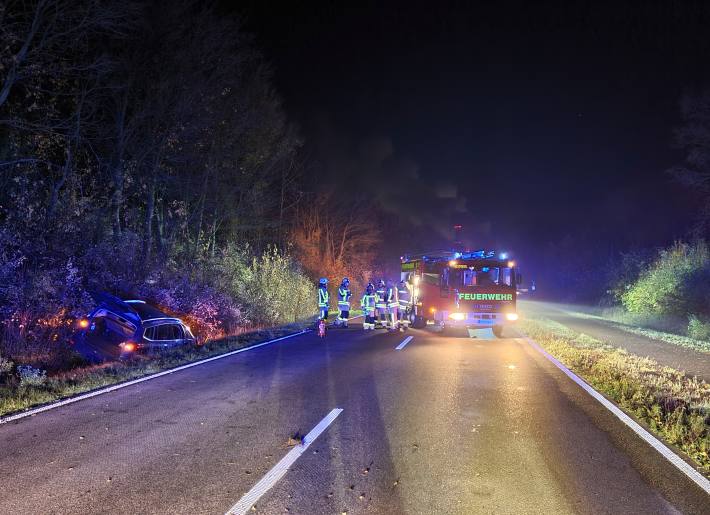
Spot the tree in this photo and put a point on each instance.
(138, 141)
(335, 238)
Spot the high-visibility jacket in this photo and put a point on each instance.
(323, 298)
(368, 302)
(344, 295)
(381, 300)
(405, 297)
(391, 297)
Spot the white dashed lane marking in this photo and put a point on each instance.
(404, 342)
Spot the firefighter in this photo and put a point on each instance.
(381, 305)
(367, 303)
(392, 306)
(405, 304)
(344, 295)
(323, 299)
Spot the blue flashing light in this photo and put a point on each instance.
(504, 255)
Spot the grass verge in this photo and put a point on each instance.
(671, 404)
(15, 397)
(627, 324)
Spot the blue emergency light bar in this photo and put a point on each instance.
(450, 254)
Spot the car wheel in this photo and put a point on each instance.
(498, 331)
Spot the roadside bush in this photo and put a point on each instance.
(30, 376)
(211, 314)
(39, 299)
(42, 293)
(114, 264)
(272, 286)
(6, 367)
(698, 329)
(623, 273)
(676, 283)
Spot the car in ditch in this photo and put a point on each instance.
(120, 328)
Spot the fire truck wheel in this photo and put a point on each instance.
(498, 331)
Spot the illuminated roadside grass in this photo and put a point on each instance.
(630, 324)
(14, 398)
(673, 405)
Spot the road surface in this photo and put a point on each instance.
(444, 425)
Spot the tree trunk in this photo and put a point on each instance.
(149, 212)
(213, 237)
(117, 200)
(201, 213)
(160, 216)
(117, 167)
(57, 186)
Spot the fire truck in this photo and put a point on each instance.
(462, 289)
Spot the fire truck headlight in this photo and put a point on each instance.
(457, 316)
(512, 316)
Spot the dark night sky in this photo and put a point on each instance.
(524, 123)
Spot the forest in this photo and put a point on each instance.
(152, 158)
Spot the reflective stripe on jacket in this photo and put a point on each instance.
(368, 302)
(405, 299)
(344, 295)
(392, 298)
(381, 301)
(323, 298)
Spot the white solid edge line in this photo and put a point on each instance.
(404, 342)
(118, 386)
(654, 442)
(279, 470)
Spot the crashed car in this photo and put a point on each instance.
(121, 328)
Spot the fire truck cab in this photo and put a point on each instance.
(462, 289)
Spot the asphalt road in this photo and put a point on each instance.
(445, 425)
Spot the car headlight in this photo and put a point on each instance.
(457, 316)
(512, 316)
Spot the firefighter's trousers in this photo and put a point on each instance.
(369, 323)
(392, 316)
(381, 316)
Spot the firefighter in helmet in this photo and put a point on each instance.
(344, 295)
(381, 304)
(367, 303)
(323, 299)
(392, 306)
(404, 296)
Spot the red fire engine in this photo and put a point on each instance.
(463, 289)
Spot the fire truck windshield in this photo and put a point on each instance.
(482, 276)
